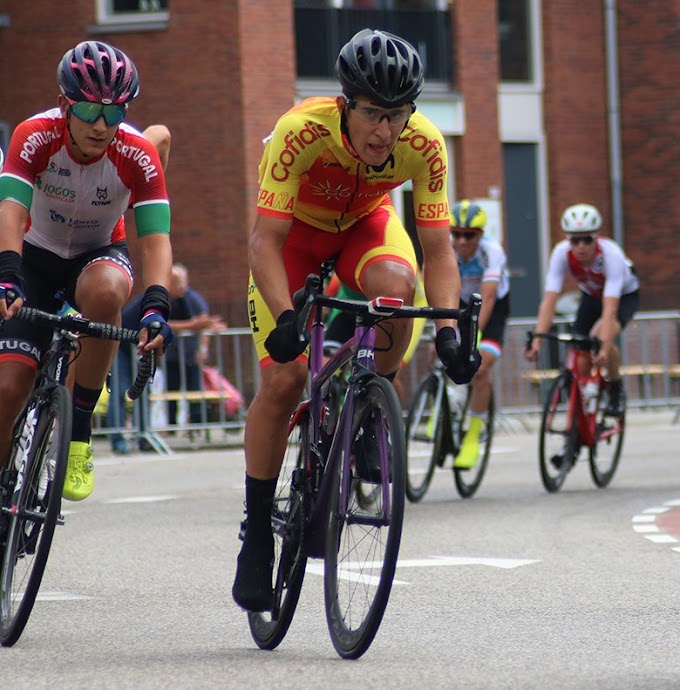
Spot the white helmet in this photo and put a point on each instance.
(581, 218)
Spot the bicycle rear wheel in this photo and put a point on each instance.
(31, 508)
(605, 454)
(424, 434)
(558, 445)
(288, 519)
(468, 480)
(362, 544)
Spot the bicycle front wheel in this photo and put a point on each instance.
(362, 544)
(605, 454)
(558, 445)
(288, 520)
(468, 480)
(30, 512)
(424, 434)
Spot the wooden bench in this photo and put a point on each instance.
(189, 396)
(538, 376)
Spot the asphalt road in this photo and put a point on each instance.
(514, 588)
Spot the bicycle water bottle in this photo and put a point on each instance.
(589, 393)
(457, 396)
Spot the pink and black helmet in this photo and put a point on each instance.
(97, 72)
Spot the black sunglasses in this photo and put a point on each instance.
(586, 239)
(469, 235)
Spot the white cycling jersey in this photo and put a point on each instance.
(489, 264)
(610, 275)
(78, 207)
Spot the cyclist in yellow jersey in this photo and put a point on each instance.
(325, 175)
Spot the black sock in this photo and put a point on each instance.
(84, 402)
(259, 499)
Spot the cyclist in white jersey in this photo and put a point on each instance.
(68, 178)
(610, 290)
(482, 264)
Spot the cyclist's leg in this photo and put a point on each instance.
(159, 136)
(627, 307)
(98, 284)
(21, 346)
(378, 259)
(266, 437)
(490, 349)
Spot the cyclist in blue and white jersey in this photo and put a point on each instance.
(482, 264)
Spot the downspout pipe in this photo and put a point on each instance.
(614, 119)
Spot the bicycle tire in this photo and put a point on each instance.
(469, 480)
(32, 520)
(288, 521)
(424, 436)
(609, 433)
(362, 546)
(555, 424)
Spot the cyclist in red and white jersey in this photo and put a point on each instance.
(610, 290)
(68, 178)
(324, 181)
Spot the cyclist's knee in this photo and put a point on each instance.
(282, 385)
(389, 278)
(16, 382)
(102, 297)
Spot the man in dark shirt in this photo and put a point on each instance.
(183, 359)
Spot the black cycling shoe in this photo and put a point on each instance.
(617, 396)
(252, 588)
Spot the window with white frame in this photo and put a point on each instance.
(127, 11)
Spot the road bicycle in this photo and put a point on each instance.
(31, 483)
(574, 416)
(438, 417)
(316, 512)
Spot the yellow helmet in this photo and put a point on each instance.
(468, 214)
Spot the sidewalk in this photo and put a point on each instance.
(232, 440)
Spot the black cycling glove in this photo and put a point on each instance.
(283, 343)
(458, 366)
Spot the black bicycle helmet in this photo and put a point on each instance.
(97, 72)
(381, 66)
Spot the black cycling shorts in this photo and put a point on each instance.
(49, 281)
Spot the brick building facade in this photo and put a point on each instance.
(219, 73)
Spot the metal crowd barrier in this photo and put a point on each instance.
(650, 348)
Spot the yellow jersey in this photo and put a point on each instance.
(310, 171)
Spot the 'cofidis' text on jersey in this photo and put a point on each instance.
(309, 171)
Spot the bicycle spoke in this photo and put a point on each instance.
(558, 439)
(363, 543)
(34, 515)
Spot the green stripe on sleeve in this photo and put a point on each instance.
(17, 190)
(152, 218)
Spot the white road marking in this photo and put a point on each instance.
(317, 568)
(60, 596)
(649, 529)
(140, 499)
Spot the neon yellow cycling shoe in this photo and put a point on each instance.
(469, 453)
(469, 449)
(79, 480)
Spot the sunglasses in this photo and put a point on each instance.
(395, 116)
(586, 239)
(469, 235)
(113, 113)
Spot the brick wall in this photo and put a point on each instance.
(575, 108)
(650, 113)
(478, 154)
